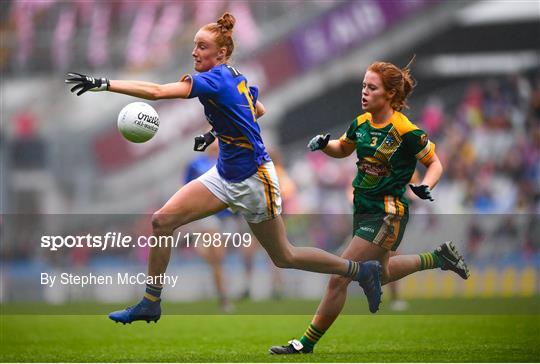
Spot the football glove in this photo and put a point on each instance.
(422, 191)
(319, 142)
(203, 141)
(85, 83)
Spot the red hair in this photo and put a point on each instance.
(395, 79)
(222, 30)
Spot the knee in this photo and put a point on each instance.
(385, 276)
(164, 223)
(284, 259)
(338, 283)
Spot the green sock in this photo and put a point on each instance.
(310, 337)
(429, 261)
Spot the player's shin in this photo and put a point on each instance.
(158, 260)
(400, 266)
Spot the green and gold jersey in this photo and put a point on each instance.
(387, 154)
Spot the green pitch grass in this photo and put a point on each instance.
(499, 336)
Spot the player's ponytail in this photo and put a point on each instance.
(408, 82)
(222, 30)
(400, 81)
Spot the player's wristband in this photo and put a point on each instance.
(104, 84)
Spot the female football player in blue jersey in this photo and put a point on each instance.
(244, 178)
(388, 147)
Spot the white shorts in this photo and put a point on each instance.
(257, 197)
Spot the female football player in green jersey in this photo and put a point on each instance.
(388, 146)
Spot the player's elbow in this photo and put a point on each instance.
(343, 153)
(260, 110)
(338, 149)
(338, 152)
(434, 163)
(156, 92)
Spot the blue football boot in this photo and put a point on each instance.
(145, 310)
(369, 278)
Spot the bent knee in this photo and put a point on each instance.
(163, 222)
(385, 276)
(284, 260)
(337, 283)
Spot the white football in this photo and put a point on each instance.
(138, 122)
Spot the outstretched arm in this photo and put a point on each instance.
(333, 148)
(150, 90)
(142, 89)
(337, 149)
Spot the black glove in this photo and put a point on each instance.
(203, 141)
(422, 191)
(85, 83)
(319, 142)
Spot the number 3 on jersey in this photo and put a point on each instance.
(242, 88)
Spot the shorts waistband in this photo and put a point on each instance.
(378, 197)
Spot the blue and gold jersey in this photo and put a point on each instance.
(229, 106)
(387, 154)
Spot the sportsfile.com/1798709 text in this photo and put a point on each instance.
(120, 240)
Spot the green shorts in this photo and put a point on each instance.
(381, 221)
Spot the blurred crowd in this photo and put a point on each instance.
(491, 145)
(92, 34)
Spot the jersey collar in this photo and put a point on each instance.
(390, 120)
